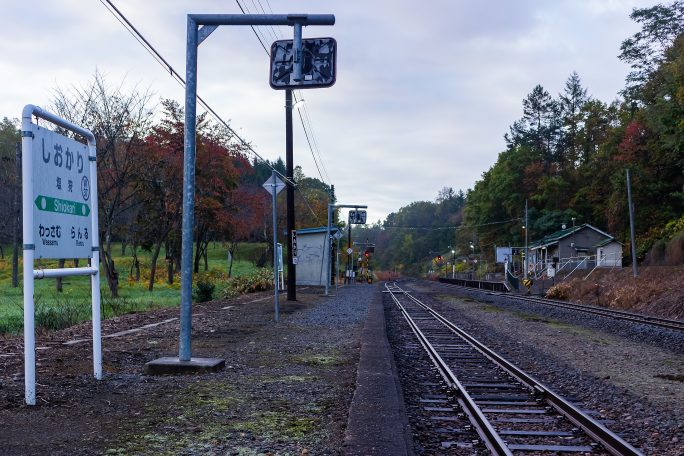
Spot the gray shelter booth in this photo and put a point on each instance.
(312, 258)
(583, 247)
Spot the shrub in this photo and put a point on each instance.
(204, 291)
(259, 280)
(560, 291)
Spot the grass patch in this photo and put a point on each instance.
(491, 309)
(56, 310)
(283, 425)
(318, 360)
(531, 317)
(289, 379)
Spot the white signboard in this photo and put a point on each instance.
(62, 198)
(280, 257)
(276, 187)
(294, 247)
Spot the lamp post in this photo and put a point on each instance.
(526, 245)
(573, 234)
(453, 264)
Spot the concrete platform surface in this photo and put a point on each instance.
(173, 365)
(377, 424)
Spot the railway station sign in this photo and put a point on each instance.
(62, 197)
(319, 64)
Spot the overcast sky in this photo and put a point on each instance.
(425, 89)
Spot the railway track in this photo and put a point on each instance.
(675, 325)
(511, 412)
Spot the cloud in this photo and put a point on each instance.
(424, 94)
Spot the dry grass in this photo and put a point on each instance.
(658, 290)
(386, 275)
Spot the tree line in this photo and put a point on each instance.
(140, 180)
(567, 155)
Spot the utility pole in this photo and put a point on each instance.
(527, 229)
(350, 256)
(631, 225)
(289, 173)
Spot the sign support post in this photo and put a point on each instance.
(63, 165)
(199, 28)
(332, 207)
(274, 186)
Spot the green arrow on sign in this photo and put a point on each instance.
(61, 206)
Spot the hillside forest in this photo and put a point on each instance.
(567, 157)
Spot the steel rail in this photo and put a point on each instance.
(634, 317)
(610, 441)
(485, 430)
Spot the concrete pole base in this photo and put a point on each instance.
(174, 366)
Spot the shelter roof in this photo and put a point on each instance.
(322, 229)
(553, 238)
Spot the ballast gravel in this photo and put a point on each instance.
(629, 376)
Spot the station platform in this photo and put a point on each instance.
(377, 423)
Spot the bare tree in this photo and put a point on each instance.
(120, 119)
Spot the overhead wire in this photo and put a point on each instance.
(451, 227)
(138, 36)
(119, 16)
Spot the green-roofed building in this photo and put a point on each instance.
(581, 247)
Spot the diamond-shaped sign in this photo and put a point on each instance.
(272, 186)
(319, 66)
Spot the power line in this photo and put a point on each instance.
(450, 227)
(138, 36)
(178, 78)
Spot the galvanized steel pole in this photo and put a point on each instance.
(194, 37)
(275, 245)
(184, 346)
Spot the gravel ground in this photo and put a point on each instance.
(630, 375)
(286, 388)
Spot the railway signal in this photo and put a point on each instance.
(357, 217)
(317, 58)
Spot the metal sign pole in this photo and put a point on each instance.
(274, 186)
(195, 36)
(185, 347)
(337, 267)
(95, 264)
(29, 247)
